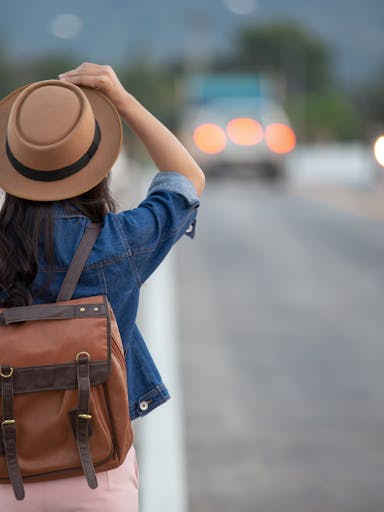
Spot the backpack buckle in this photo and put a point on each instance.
(83, 354)
(6, 375)
(85, 416)
(7, 422)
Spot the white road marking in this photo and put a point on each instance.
(160, 435)
(161, 439)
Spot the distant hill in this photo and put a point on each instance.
(119, 30)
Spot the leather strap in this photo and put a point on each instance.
(83, 419)
(78, 261)
(8, 432)
(18, 314)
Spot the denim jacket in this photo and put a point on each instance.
(129, 248)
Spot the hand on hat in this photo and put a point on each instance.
(102, 78)
(165, 149)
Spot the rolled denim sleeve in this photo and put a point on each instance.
(175, 182)
(160, 220)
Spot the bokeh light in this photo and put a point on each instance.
(241, 7)
(66, 26)
(280, 138)
(210, 138)
(245, 131)
(379, 150)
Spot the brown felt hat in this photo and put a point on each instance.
(57, 140)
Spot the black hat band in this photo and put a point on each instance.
(56, 174)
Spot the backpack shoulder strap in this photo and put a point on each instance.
(78, 261)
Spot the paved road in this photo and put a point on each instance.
(282, 314)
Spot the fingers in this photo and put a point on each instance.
(90, 75)
(99, 77)
(94, 81)
(88, 68)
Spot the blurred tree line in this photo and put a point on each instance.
(302, 63)
(297, 60)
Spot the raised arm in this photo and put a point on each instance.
(166, 151)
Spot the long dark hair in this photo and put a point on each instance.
(22, 223)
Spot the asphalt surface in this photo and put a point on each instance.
(281, 323)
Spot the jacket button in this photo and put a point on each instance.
(143, 405)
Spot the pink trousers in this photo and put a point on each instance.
(117, 491)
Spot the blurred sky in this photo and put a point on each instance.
(117, 30)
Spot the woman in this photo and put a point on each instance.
(62, 138)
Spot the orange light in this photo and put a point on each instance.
(245, 131)
(280, 138)
(210, 138)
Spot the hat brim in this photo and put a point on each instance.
(88, 177)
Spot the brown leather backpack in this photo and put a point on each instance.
(63, 385)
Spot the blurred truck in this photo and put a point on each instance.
(234, 121)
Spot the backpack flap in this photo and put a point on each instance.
(46, 339)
